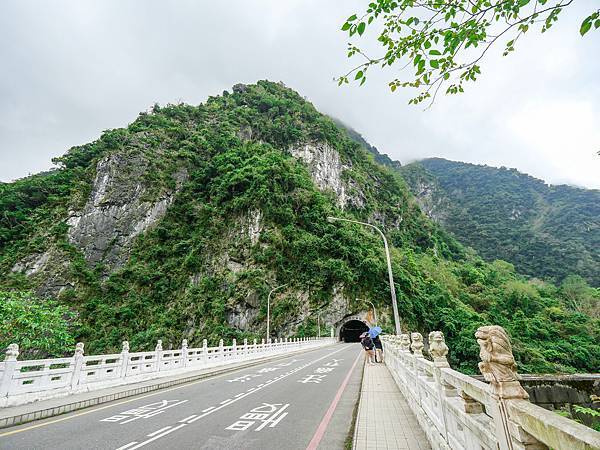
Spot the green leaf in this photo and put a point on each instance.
(361, 28)
(351, 18)
(434, 52)
(359, 75)
(434, 63)
(346, 26)
(585, 26)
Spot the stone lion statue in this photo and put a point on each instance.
(12, 351)
(437, 345)
(417, 344)
(405, 342)
(497, 361)
(79, 349)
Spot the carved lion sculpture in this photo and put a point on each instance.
(12, 352)
(79, 349)
(497, 361)
(405, 342)
(437, 345)
(417, 344)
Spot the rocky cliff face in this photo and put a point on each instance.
(117, 210)
(329, 172)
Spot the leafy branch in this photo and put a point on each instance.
(445, 40)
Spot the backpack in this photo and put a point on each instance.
(367, 342)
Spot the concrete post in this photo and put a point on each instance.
(221, 350)
(77, 364)
(205, 351)
(234, 348)
(10, 364)
(245, 347)
(124, 358)
(254, 346)
(184, 353)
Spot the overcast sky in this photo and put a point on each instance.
(71, 69)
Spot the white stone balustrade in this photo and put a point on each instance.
(26, 381)
(459, 412)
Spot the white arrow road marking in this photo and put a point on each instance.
(134, 445)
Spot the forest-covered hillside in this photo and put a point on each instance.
(178, 225)
(546, 231)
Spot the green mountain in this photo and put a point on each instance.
(178, 225)
(546, 231)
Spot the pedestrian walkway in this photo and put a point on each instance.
(384, 420)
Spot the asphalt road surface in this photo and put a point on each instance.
(300, 402)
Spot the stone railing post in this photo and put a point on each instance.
(77, 364)
(124, 358)
(221, 350)
(205, 351)
(245, 347)
(438, 351)
(262, 345)
(158, 350)
(499, 369)
(234, 348)
(254, 345)
(10, 364)
(184, 353)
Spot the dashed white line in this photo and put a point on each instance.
(158, 436)
(223, 404)
(159, 431)
(187, 418)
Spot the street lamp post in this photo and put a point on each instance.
(389, 265)
(269, 310)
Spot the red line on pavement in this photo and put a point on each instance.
(316, 439)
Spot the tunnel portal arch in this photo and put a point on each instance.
(352, 327)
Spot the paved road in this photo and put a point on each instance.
(289, 403)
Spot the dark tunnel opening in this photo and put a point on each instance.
(351, 331)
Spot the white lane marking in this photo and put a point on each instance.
(237, 395)
(160, 431)
(274, 420)
(127, 446)
(158, 436)
(225, 401)
(262, 386)
(208, 409)
(212, 409)
(187, 418)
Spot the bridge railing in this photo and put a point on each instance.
(459, 412)
(31, 380)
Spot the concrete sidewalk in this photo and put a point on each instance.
(384, 420)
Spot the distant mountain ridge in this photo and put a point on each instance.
(546, 231)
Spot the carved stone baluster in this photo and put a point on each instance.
(417, 344)
(77, 364)
(499, 369)
(158, 357)
(205, 351)
(124, 358)
(10, 364)
(184, 353)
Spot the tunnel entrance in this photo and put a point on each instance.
(351, 330)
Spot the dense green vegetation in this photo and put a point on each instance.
(40, 326)
(546, 231)
(195, 269)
